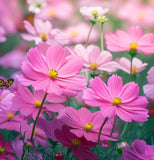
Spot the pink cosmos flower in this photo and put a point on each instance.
(116, 99)
(53, 73)
(10, 15)
(79, 145)
(2, 34)
(94, 59)
(133, 39)
(5, 99)
(13, 59)
(138, 150)
(9, 120)
(43, 31)
(6, 151)
(87, 124)
(139, 14)
(29, 104)
(149, 88)
(137, 65)
(78, 33)
(56, 9)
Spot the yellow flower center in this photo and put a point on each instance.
(93, 66)
(52, 13)
(43, 36)
(133, 46)
(94, 12)
(36, 132)
(116, 101)
(37, 103)
(74, 33)
(75, 143)
(141, 15)
(88, 127)
(0, 98)
(2, 150)
(10, 116)
(53, 74)
(134, 69)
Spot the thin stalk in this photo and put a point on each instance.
(99, 135)
(91, 27)
(102, 37)
(124, 130)
(131, 64)
(32, 134)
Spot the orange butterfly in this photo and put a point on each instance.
(6, 84)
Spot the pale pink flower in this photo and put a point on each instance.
(79, 32)
(133, 40)
(94, 13)
(116, 99)
(10, 15)
(137, 65)
(138, 150)
(78, 145)
(6, 151)
(2, 34)
(5, 99)
(139, 14)
(29, 104)
(84, 123)
(149, 88)
(60, 9)
(36, 5)
(53, 73)
(13, 59)
(43, 31)
(94, 59)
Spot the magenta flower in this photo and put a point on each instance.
(43, 32)
(29, 104)
(87, 124)
(6, 151)
(53, 73)
(95, 60)
(133, 39)
(137, 65)
(116, 99)
(138, 150)
(79, 145)
(5, 99)
(149, 88)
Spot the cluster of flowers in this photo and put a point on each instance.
(52, 97)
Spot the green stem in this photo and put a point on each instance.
(92, 25)
(99, 135)
(32, 134)
(124, 129)
(102, 42)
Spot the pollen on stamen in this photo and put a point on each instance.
(0, 98)
(43, 36)
(116, 101)
(36, 132)
(53, 74)
(52, 13)
(10, 116)
(133, 46)
(93, 66)
(76, 143)
(94, 12)
(74, 33)
(37, 103)
(88, 127)
(2, 150)
(134, 69)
